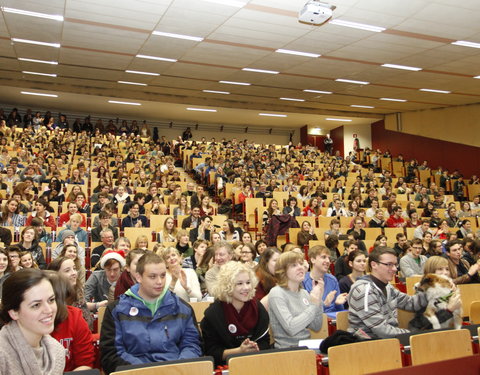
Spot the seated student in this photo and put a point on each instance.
(108, 239)
(74, 225)
(193, 220)
(202, 232)
(68, 238)
(128, 277)
(358, 262)
(111, 210)
(29, 243)
(306, 234)
(342, 266)
(42, 212)
(333, 300)
(134, 219)
(265, 272)
(396, 220)
(358, 228)
(183, 243)
(103, 200)
(236, 322)
(71, 330)
(104, 224)
(292, 310)
(181, 281)
(64, 218)
(138, 198)
(223, 253)
(160, 326)
(98, 284)
(373, 301)
(413, 261)
(439, 266)
(28, 309)
(460, 270)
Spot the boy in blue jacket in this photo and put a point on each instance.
(148, 323)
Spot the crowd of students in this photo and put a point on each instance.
(69, 195)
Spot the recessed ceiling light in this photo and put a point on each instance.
(38, 94)
(402, 67)
(144, 73)
(338, 119)
(232, 3)
(436, 91)
(178, 36)
(132, 83)
(393, 100)
(361, 106)
(32, 14)
(357, 25)
(201, 109)
(352, 81)
(216, 92)
(271, 115)
(156, 58)
(293, 99)
(465, 43)
(298, 53)
(38, 61)
(319, 92)
(17, 40)
(477, 77)
(125, 103)
(39, 74)
(260, 71)
(235, 83)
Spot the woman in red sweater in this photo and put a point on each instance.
(71, 330)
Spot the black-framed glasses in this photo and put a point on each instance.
(390, 265)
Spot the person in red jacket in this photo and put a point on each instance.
(71, 329)
(42, 212)
(396, 220)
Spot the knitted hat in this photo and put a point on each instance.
(65, 234)
(113, 254)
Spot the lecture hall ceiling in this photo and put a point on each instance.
(101, 40)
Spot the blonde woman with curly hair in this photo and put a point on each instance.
(236, 322)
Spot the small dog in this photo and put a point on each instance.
(439, 289)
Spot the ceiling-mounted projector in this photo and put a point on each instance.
(315, 12)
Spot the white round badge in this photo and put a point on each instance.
(305, 301)
(133, 311)
(232, 328)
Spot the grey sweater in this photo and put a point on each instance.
(376, 314)
(410, 267)
(291, 315)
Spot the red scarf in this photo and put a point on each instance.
(241, 323)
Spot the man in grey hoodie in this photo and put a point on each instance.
(373, 301)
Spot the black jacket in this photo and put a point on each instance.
(217, 337)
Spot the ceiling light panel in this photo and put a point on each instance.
(401, 67)
(356, 25)
(39, 73)
(55, 17)
(436, 91)
(260, 71)
(38, 43)
(178, 36)
(158, 58)
(298, 53)
(352, 81)
(38, 61)
(142, 73)
(124, 103)
(39, 94)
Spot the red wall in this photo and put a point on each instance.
(449, 155)
(337, 136)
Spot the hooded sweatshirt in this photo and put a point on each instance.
(374, 311)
